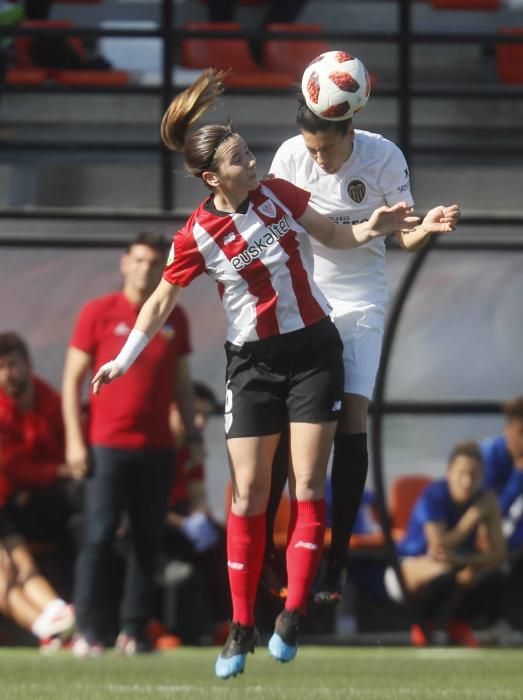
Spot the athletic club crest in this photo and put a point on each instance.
(356, 190)
(268, 208)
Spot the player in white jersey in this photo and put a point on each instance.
(349, 173)
(284, 355)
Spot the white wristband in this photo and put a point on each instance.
(135, 343)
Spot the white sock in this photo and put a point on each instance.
(40, 625)
(53, 606)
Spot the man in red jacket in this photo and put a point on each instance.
(37, 489)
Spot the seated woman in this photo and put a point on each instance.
(26, 597)
(454, 546)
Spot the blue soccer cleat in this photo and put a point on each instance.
(283, 643)
(240, 642)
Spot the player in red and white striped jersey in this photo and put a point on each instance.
(284, 355)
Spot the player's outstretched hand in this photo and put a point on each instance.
(399, 217)
(105, 375)
(442, 219)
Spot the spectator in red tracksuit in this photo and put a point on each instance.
(41, 497)
(129, 455)
(32, 500)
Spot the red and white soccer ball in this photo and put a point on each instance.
(335, 85)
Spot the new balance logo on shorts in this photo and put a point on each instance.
(336, 407)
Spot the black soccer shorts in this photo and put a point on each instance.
(295, 377)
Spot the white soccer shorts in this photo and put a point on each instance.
(361, 329)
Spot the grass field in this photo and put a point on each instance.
(320, 673)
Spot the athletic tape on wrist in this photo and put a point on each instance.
(135, 343)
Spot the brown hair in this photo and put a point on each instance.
(11, 342)
(513, 409)
(468, 448)
(153, 240)
(199, 148)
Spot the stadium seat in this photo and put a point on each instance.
(404, 492)
(25, 71)
(509, 58)
(25, 76)
(292, 55)
(365, 541)
(97, 78)
(466, 4)
(228, 54)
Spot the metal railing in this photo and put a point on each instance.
(382, 408)
(404, 38)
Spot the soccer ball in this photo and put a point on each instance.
(335, 85)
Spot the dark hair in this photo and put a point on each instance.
(467, 448)
(153, 240)
(308, 121)
(200, 147)
(11, 342)
(513, 409)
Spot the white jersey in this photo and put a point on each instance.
(261, 259)
(375, 174)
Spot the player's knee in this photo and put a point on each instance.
(310, 487)
(250, 500)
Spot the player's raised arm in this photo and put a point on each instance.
(440, 219)
(383, 221)
(151, 318)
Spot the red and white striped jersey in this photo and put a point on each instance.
(261, 260)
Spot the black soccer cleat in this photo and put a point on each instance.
(283, 644)
(241, 641)
(329, 591)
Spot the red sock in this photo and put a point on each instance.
(304, 550)
(245, 548)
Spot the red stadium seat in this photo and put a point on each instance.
(22, 46)
(291, 56)
(24, 70)
(228, 54)
(368, 540)
(26, 76)
(404, 492)
(98, 78)
(466, 4)
(509, 58)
